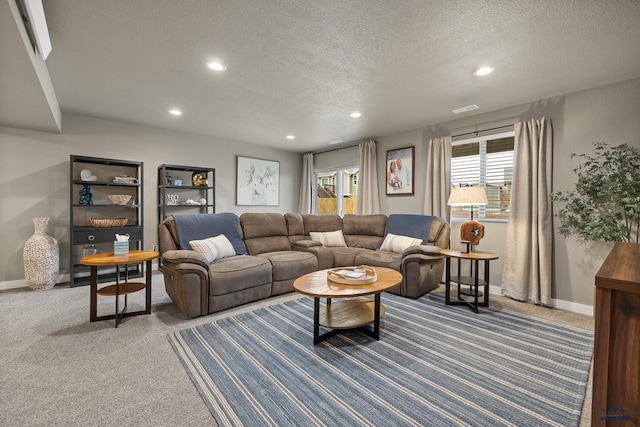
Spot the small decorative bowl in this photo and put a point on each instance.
(108, 222)
(119, 199)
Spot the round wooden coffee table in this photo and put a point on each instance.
(346, 314)
(108, 259)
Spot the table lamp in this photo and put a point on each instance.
(471, 231)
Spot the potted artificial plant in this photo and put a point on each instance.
(605, 203)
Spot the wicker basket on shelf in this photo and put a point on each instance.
(108, 222)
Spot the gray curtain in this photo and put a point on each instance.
(438, 182)
(528, 259)
(368, 201)
(306, 185)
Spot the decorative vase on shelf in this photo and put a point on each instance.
(41, 256)
(89, 249)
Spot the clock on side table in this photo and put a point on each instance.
(474, 280)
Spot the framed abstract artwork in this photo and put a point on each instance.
(400, 165)
(257, 182)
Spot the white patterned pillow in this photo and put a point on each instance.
(329, 238)
(213, 248)
(394, 243)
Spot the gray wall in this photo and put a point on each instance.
(337, 158)
(609, 113)
(34, 172)
(34, 176)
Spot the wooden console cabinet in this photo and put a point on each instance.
(616, 359)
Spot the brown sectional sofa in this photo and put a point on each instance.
(274, 249)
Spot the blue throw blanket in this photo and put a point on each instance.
(416, 226)
(202, 226)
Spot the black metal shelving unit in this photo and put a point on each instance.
(187, 192)
(82, 233)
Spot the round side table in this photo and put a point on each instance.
(472, 280)
(108, 259)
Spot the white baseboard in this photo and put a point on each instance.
(13, 284)
(22, 283)
(556, 303)
(573, 306)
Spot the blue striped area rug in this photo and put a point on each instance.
(434, 365)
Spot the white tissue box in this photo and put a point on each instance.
(120, 248)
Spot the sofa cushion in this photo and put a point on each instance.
(201, 226)
(364, 231)
(295, 225)
(417, 226)
(213, 248)
(264, 232)
(328, 238)
(237, 273)
(314, 223)
(395, 243)
(365, 225)
(288, 265)
(344, 257)
(379, 259)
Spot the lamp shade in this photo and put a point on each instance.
(465, 196)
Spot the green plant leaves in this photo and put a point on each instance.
(605, 204)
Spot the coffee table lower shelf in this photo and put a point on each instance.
(124, 289)
(347, 314)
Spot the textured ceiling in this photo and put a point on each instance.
(301, 67)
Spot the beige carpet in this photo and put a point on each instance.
(57, 368)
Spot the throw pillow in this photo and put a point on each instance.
(395, 243)
(329, 238)
(213, 248)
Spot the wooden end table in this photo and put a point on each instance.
(473, 280)
(108, 259)
(346, 314)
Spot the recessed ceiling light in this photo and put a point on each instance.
(291, 137)
(464, 109)
(355, 114)
(175, 112)
(337, 141)
(216, 66)
(483, 71)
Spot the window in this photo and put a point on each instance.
(336, 191)
(485, 162)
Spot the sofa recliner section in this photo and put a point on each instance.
(266, 236)
(198, 287)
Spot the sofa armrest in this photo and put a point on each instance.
(322, 253)
(305, 244)
(421, 273)
(185, 257)
(186, 280)
(428, 250)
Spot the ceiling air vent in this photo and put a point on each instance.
(465, 109)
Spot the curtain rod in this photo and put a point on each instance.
(336, 149)
(476, 132)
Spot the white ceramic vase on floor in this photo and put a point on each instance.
(41, 257)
